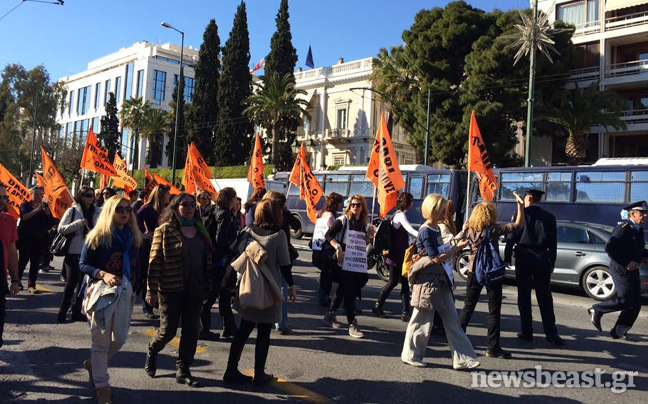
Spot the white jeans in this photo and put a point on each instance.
(420, 325)
(105, 344)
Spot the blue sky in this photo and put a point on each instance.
(65, 38)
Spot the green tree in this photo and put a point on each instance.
(233, 128)
(581, 109)
(204, 110)
(273, 105)
(110, 134)
(181, 151)
(132, 117)
(155, 126)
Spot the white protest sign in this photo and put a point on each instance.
(355, 255)
(447, 264)
(321, 227)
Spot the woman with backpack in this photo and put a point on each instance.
(402, 230)
(322, 251)
(482, 227)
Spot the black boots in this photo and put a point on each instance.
(151, 363)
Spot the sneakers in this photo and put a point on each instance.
(415, 362)
(595, 318)
(471, 364)
(331, 320)
(354, 331)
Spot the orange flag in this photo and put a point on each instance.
(95, 158)
(16, 192)
(255, 173)
(309, 188)
(188, 181)
(383, 170)
(200, 170)
(479, 162)
(161, 181)
(295, 173)
(149, 181)
(39, 179)
(103, 181)
(56, 191)
(123, 179)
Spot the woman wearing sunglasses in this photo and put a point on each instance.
(110, 259)
(349, 235)
(76, 223)
(204, 204)
(177, 279)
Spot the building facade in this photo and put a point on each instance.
(141, 70)
(344, 116)
(611, 38)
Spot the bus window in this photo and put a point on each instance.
(360, 185)
(336, 183)
(601, 187)
(638, 185)
(438, 184)
(416, 187)
(559, 186)
(519, 182)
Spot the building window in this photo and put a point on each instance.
(580, 14)
(107, 92)
(128, 84)
(124, 142)
(341, 121)
(587, 55)
(67, 131)
(159, 83)
(97, 98)
(339, 159)
(188, 89)
(83, 102)
(71, 103)
(83, 131)
(140, 83)
(117, 89)
(307, 123)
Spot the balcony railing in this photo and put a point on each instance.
(588, 73)
(626, 21)
(635, 116)
(587, 28)
(627, 69)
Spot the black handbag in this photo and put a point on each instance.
(61, 243)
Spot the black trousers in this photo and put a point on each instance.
(31, 251)
(4, 292)
(627, 301)
(395, 276)
(144, 255)
(260, 349)
(473, 290)
(534, 271)
(73, 279)
(349, 288)
(323, 263)
(173, 308)
(224, 296)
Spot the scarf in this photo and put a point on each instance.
(202, 232)
(123, 241)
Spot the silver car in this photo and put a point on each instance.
(581, 260)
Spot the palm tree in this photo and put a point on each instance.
(584, 108)
(155, 125)
(274, 104)
(132, 117)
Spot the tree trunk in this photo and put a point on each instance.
(135, 152)
(275, 143)
(576, 148)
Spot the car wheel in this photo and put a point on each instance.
(462, 264)
(598, 284)
(297, 234)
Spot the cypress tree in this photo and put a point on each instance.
(233, 129)
(281, 61)
(181, 148)
(110, 134)
(204, 111)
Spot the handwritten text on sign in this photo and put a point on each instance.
(355, 255)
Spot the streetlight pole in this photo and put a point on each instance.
(178, 100)
(531, 101)
(33, 146)
(427, 131)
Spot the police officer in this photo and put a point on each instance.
(626, 249)
(535, 257)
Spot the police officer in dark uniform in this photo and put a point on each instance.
(626, 249)
(535, 257)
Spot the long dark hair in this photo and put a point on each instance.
(257, 195)
(404, 201)
(332, 202)
(82, 191)
(169, 213)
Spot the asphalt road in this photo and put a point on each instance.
(41, 360)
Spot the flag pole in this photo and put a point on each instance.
(373, 204)
(288, 192)
(467, 196)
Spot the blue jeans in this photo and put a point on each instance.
(284, 306)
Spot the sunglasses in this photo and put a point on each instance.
(187, 204)
(204, 197)
(89, 195)
(124, 209)
(356, 205)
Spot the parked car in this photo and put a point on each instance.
(581, 260)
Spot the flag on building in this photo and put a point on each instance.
(479, 162)
(383, 170)
(56, 192)
(255, 173)
(310, 189)
(309, 58)
(200, 171)
(173, 190)
(95, 158)
(260, 65)
(16, 192)
(123, 179)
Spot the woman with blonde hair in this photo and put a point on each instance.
(432, 291)
(482, 227)
(110, 259)
(349, 235)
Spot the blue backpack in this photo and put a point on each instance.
(489, 267)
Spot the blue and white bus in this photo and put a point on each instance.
(350, 180)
